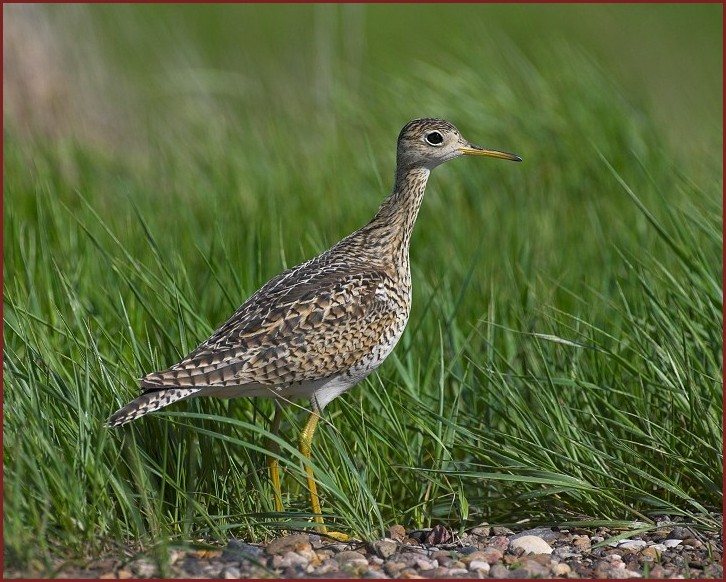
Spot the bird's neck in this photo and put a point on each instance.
(397, 214)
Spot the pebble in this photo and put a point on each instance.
(479, 566)
(498, 571)
(501, 531)
(546, 533)
(666, 553)
(531, 545)
(425, 564)
(534, 569)
(231, 573)
(397, 532)
(499, 542)
(350, 557)
(679, 533)
(634, 545)
(292, 559)
(483, 531)
(143, 569)
(438, 535)
(237, 550)
(385, 548)
(651, 552)
(490, 555)
(287, 544)
(393, 568)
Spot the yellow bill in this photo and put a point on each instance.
(472, 150)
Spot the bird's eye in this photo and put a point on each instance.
(434, 138)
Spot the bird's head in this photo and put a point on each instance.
(427, 143)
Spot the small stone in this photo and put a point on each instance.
(410, 573)
(479, 566)
(679, 533)
(561, 569)
(374, 574)
(565, 552)
(457, 571)
(393, 568)
(385, 548)
(531, 545)
(125, 574)
(582, 543)
(627, 574)
(397, 532)
(483, 531)
(491, 555)
(693, 542)
(498, 530)
(287, 544)
(351, 557)
(326, 567)
(498, 571)
(292, 559)
(438, 535)
(499, 542)
(476, 555)
(657, 571)
(672, 543)
(231, 573)
(144, 569)
(534, 569)
(510, 559)
(457, 564)
(546, 533)
(634, 545)
(651, 553)
(425, 564)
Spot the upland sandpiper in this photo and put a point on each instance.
(319, 328)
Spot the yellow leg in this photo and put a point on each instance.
(273, 463)
(306, 439)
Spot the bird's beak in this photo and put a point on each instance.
(473, 150)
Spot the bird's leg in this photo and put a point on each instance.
(306, 439)
(273, 463)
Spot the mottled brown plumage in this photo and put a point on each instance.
(319, 328)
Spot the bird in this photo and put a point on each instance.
(317, 329)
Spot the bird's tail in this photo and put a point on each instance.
(149, 402)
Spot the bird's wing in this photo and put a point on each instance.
(301, 326)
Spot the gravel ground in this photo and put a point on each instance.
(672, 551)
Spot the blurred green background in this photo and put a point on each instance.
(563, 360)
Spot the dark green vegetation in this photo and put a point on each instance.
(563, 361)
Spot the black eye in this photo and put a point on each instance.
(434, 138)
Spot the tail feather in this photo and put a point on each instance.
(149, 402)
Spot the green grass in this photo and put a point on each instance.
(563, 360)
